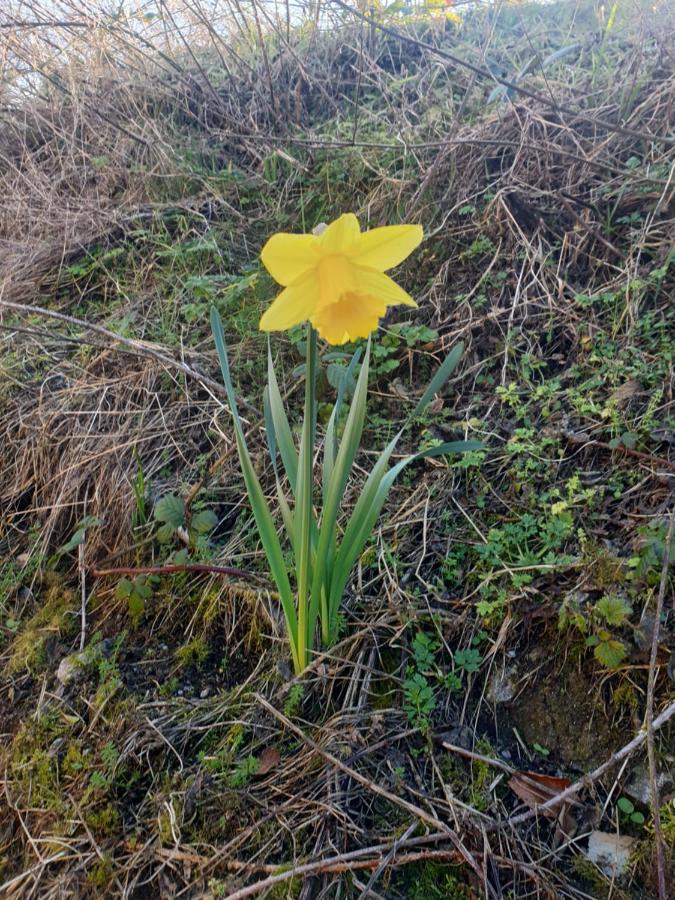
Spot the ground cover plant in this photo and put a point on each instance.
(493, 714)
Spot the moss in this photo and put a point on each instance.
(194, 653)
(74, 760)
(483, 775)
(51, 620)
(34, 765)
(432, 881)
(100, 873)
(103, 821)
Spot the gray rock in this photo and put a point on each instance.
(502, 686)
(610, 852)
(71, 668)
(638, 788)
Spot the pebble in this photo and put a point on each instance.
(610, 852)
(71, 668)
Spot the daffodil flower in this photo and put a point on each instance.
(335, 280)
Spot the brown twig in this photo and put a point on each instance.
(169, 569)
(486, 73)
(587, 780)
(638, 454)
(138, 347)
(372, 786)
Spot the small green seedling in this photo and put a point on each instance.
(627, 809)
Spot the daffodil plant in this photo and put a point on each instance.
(334, 280)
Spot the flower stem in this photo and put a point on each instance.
(304, 509)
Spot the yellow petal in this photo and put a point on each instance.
(341, 235)
(379, 285)
(354, 315)
(295, 304)
(336, 276)
(384, 248)
(288, 256)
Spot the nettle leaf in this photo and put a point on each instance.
(136, 607)
(123, 589)
(610, 653)
(171, 510)
(165, 533)
(614, 610)
(204, 521)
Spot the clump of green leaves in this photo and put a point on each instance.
(170, 516)
(136, 592)
(627, 809)
(597, 622)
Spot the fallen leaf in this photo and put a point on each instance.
(626, 390)
(533, 789)
(269, 759)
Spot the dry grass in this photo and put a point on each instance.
(139, 155)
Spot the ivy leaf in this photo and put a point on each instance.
(610, 653)
(614, 610)
(204, 521)
(170, 510)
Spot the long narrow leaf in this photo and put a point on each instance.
(338, 481)
(304, 509)
(444, 371)
(365, 514)
(261, 513)
(289, 455)
(272, 445)
(330, 441)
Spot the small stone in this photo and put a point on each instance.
(501, 688)
(71, 668)
(638, 788)
(610, 852)
(204, 692)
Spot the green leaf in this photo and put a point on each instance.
(614, 610)
(259, 507)
(204, 521)
(443, 372)
(625, 805)
(142, 588)
(170, 510)
(610, 653)
(305, 504)
(123, 589)
(469, 659)
(282, 430)
(331, 441)
(637, 818)
(136, 607)
(368, 507)
(339, 473)
(165, 533)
